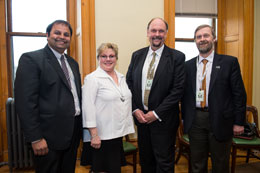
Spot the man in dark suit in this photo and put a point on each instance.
(48, 99)
(156, 79)
(213, 105)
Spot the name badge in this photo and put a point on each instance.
(200, 96)
(149, 83)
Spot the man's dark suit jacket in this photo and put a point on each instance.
(44, 101)
(226, 97)
(167, 87)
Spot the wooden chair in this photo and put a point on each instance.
(183, 145)
(245, 143)
(130, 149)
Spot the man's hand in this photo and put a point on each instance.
(238, 130)
(40, 148)
(139, 115)
(149, 117)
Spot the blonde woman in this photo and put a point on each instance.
(107, 111)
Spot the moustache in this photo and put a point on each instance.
(158, 37)
(60, 39)
(203, 42)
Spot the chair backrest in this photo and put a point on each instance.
(180, 129)
(252, 112)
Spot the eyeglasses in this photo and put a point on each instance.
(105, 57)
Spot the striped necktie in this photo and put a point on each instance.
(65, 69)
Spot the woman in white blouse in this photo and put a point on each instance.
(107, 111)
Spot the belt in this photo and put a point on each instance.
(205, 109)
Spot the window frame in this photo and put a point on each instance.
(10, 34)
(191, 40)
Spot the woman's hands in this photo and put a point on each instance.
(95, 142)
(95, 139)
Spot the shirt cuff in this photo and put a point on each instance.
(36, 141)
(157, 116)
(134, 111)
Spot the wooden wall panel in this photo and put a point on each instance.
(233, 49)
(88, 36)
(235, 36)
(3, 84)
(169, 17)
(231, 15)
(78, 34)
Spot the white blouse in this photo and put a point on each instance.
(106, 105)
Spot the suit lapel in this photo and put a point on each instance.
(193, 71)
(161, 65)
(217, 61)
(76, 76)
(54, 62)
(139, 71)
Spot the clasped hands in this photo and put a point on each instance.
(144, 118)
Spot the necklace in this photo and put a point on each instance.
(118, 88)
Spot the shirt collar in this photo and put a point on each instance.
(57, 54)
(103, 73)
(158, 51)
(209, 58)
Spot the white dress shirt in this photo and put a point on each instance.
(207, 74)
(147, 62)
(103, 108)
(72, 81)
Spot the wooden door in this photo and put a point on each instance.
(235, 36)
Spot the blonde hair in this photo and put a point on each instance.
(105, 46)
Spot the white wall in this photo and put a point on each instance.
(256, 70)
(124, 23)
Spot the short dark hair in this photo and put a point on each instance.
(166, 24)
(205, 26)
(48, 29)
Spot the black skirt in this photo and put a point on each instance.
(108, 158)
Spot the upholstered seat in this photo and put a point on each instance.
(238, 143)
(130, 149)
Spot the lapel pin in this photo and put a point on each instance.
(218, 67)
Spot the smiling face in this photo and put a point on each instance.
(204, 41)
(107, 60)
(157, 33)
(59, 37)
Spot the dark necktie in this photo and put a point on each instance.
(203, 103)
(65, 69)
(150, 74)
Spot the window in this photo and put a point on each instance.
(27, 22)
(184, 33)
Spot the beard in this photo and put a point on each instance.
(205, 49)
(157, 44)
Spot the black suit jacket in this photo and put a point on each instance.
(44, 101)
(167, 87)
(226, 97)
